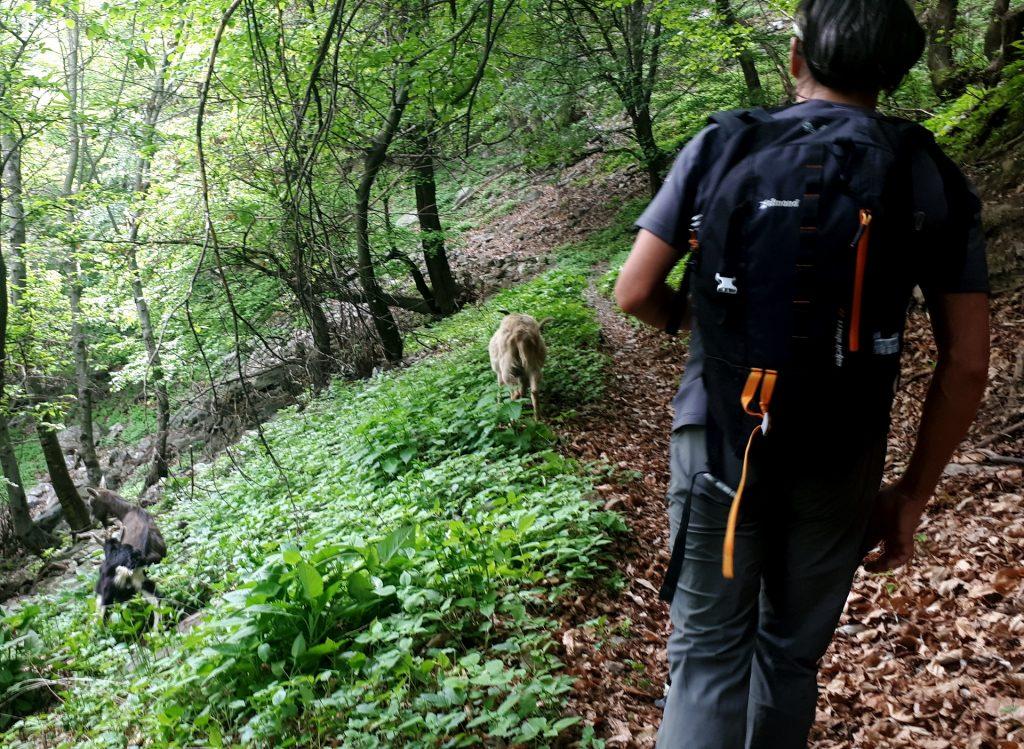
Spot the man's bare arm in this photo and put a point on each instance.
(641, 289)
(961, 326)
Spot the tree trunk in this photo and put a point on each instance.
(31, 536)
(75, 511)
(444, 291)
(755, 93)
(302, 287)
(72, 271)
(14, 213)
(941, 65)
(158, 466)
(1005, 31)
(994, 32)
(414, 270)
(383, 320)
(320, 328)
(87, 443)
(654, 158)
(319, 325)
(140, 188)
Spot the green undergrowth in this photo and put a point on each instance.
(385, 579)
(607, 246)
(983, 121)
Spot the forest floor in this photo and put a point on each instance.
(927, 657)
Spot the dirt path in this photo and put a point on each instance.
(929, 657)
(552, 211)
(615, 630)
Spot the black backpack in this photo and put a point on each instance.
(801, 271)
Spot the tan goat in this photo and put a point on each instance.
(517, 352)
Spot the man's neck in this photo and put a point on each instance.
(817, 91)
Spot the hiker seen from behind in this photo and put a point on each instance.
(804, 230)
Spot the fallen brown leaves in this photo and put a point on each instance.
(614, 640)
(928, 657)
(552, 212)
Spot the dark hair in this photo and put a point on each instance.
(859, 45)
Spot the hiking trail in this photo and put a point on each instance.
(926, 657)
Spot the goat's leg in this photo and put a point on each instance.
(149, 595)
(522, 386)
(535, 395)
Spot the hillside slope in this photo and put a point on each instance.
(393, 589)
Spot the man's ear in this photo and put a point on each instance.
(796, 58)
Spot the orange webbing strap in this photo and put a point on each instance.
(765, 379)
(750, 390)
(734, 513)
(767, 387)
(858, 279)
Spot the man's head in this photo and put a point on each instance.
(855, 47)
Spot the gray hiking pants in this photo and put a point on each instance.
(743, 655)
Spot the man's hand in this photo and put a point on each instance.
(960, 322)
(893, 524)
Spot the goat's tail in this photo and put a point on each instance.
(523, 354)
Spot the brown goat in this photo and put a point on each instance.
(137, 526)
(518, 351)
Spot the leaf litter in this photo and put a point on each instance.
(928, 656)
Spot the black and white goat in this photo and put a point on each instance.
(123, 573)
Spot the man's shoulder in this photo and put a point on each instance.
(701, 149)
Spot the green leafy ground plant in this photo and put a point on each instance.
(388, 583)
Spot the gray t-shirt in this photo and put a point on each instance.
(668, 217)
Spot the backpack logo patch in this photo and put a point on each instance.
(777, 203)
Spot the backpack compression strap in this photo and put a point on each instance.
(763, 380)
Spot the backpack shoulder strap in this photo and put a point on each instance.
(961, 200)
(732, 121)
